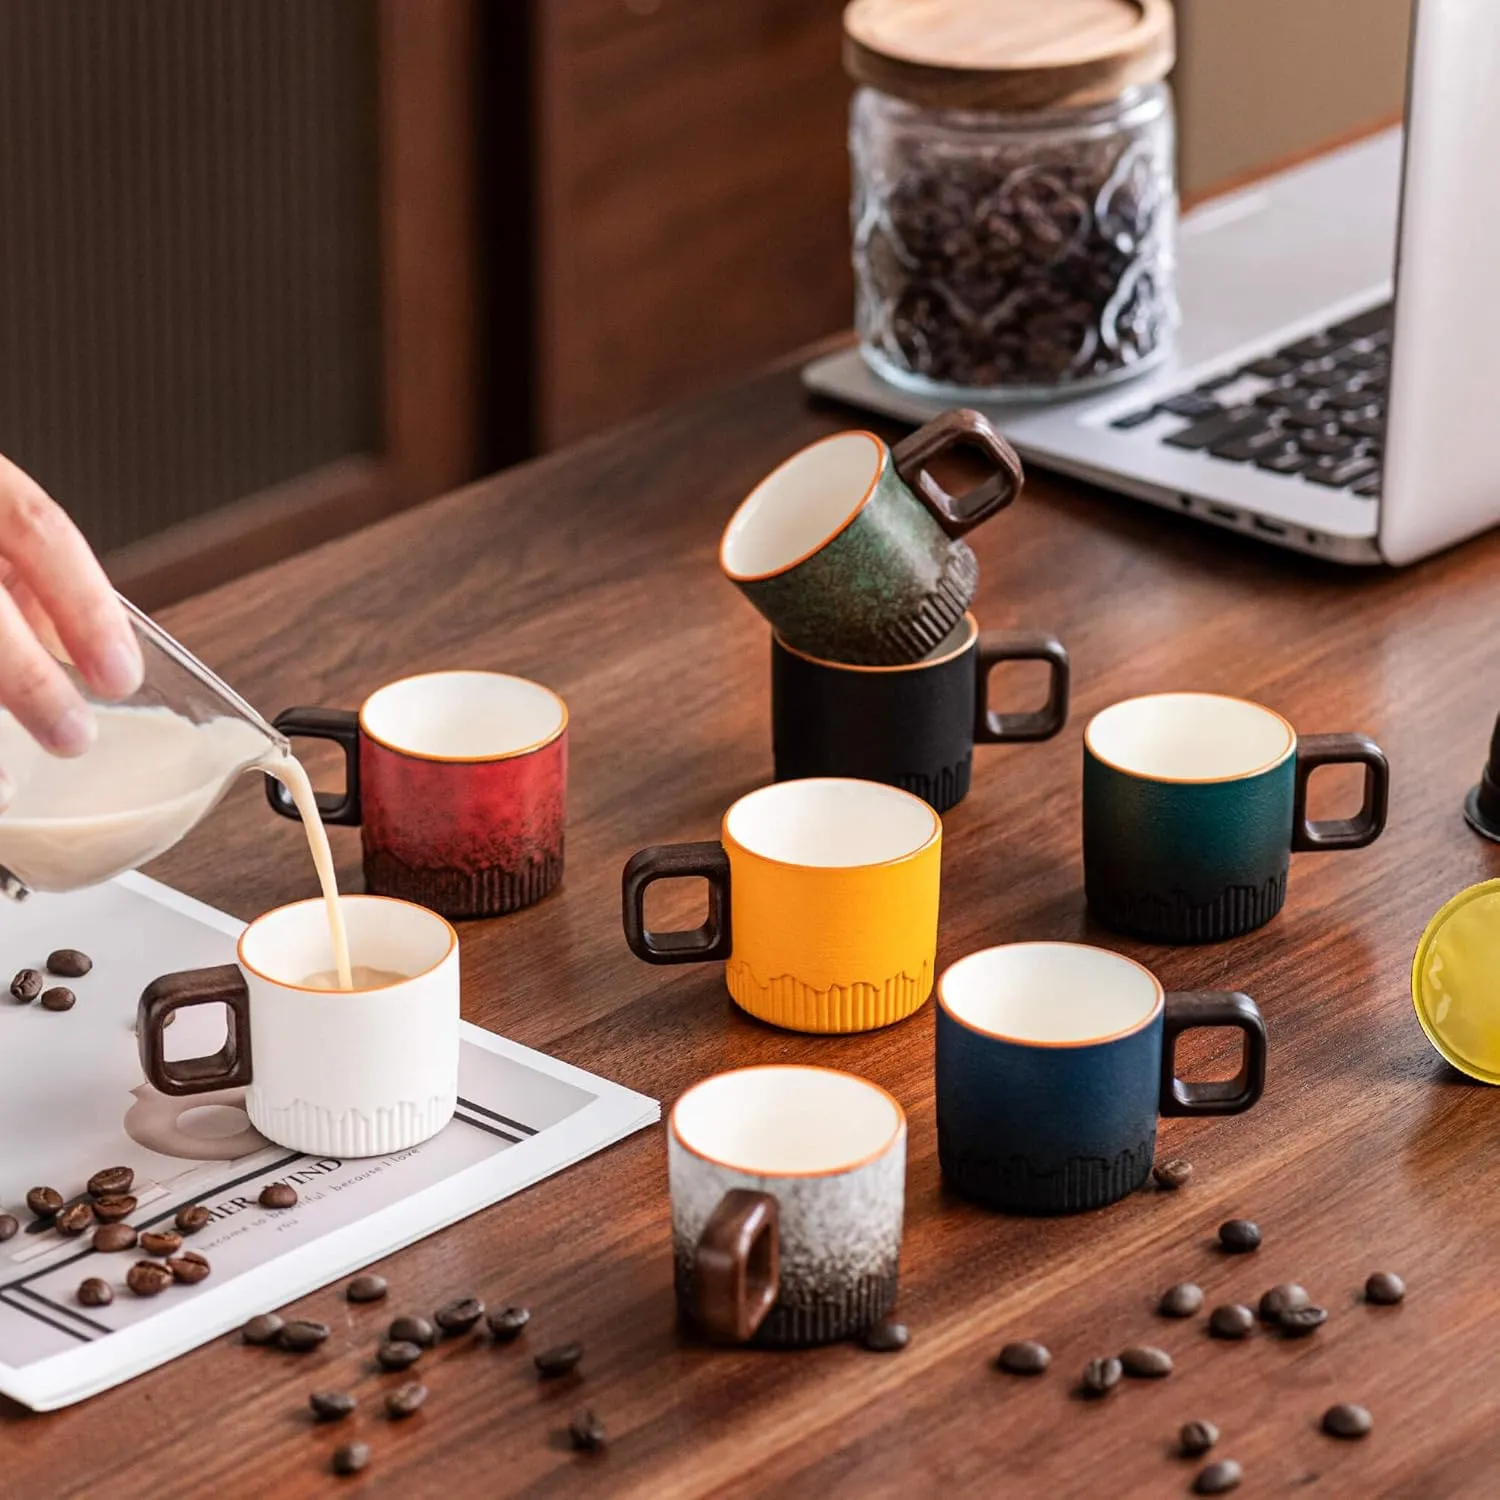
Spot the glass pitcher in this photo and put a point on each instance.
(162, 760)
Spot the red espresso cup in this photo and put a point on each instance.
(457, 782)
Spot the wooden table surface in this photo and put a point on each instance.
(594, 571)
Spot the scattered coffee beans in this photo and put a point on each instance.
(44, 1201)
(59, 997)
(69, 963)
(109, 1238)
(302, 1335)
(1172, 1175)
(1219, 1478)
(95, 1293)
(148, 1277)
(112, 1182)
(1384, 1288)
(1281, 1299)
(278, 1195)
(1232, 1321)
(1181, 1301)
(263, 1328)
(1145, 1363)
(366, 1288)
(192, 1217)
(885, 1338)
(1297, 1322)
(189, 1268)
(586, 1432)
(350, 1458)
(332, 1406)
(507, 1324)
(1347, 1421)
(406, 1400)
(10, 1226)
(160, 1242)
(561, 1359)
(112, 1210)
(75, 1219)
(1238, 1236)
(1024, 1357)
(1196, 1438)
(460, 1315)
(409, 1330)
(27, 985)
(1101, 1376)
(398, 1354)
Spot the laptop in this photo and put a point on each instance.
(1335, 384)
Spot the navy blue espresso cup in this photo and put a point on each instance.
(1193, 804)
(1054, 1063)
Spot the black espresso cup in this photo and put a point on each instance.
(914, 726)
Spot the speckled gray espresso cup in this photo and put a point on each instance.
(854, 552)
(788, 1191)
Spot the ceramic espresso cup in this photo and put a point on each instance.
(331, 1072)
(852, 550)
(913, 726)
(1054, 1061)
(458, 782)
(788, 1188)
(1192, 803)
(822, 901)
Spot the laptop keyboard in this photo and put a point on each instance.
(1313, 411)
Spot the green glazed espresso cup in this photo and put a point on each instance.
(1192, 805)
(854, 552)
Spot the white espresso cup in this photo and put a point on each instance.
(360, 1072)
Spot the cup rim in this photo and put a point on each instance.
(921, 664)
(463, 760)
(374, 989)
(1260, 770)
(838, 1171)
(727, 838)
(843, 526)
(1075, 1043)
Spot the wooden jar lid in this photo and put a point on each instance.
(1008, 54)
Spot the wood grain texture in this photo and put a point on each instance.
(594, 571)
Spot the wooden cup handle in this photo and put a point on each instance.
(341, 725)
(995, 646)
(1314, 750)
(677, 862)
(738, 1266)
(1229, 1008)
(956, 515)
(230, 1066)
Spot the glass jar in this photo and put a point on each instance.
(1012, 254)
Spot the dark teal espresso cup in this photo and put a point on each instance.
(1054, 1062)
(1192, 806)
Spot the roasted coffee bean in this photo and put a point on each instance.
(1384, 1288)
(332, 1406)
(1024, 1357)
(189, 1268)
(366, 1288)
(95, 1293)
(278, 1195)
(44, 1201)
(302, 1335)
(192, 1217)
(112, 1210)
(885, 1337)
(148, 1277)
(1347, 1421)
(507, 1324)
(586, 1432)
(1196, 1438)
(1100, 1376)
(112, 1182)
(108, 1238)
(1218, 1478)
(160, 1242)
(1280, 1299)
(59, 997)
(410, 1330)
(69, 963)
(1181, 1301)
(406, 1400)
(75, 1219)
(263, 1328)
(1297, 1322)
(1231, 1321)
(561, 1359)
(1239, 1236)
(1146, 1363)
(10, 1226)
(27, 985)
(351, 1458)
(398, 1354)
(459, 1316)
(1172, 1174)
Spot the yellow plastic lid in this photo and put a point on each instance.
(1455, 981)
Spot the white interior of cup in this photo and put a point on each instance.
(463, 715)
(832, 822)
(292, 943)
(1050, 994)
(799, 506)
(787, 1121)
(1190, 737)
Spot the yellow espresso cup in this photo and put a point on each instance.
(822, 902)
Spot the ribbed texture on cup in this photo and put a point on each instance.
(1178, 919)
(1018, 1185)
(833, 1315)
(941, 789)
(464, 893)
(910, 639)
(310, 1128)
(786, 1001)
